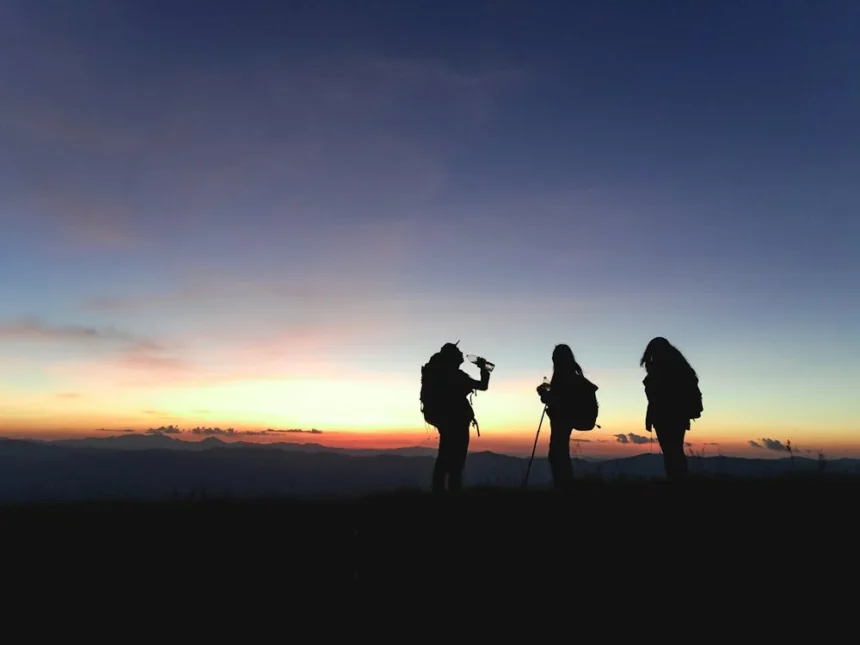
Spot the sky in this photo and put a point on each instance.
(267, 216)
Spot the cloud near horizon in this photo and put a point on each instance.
(230, 432)
(768, 444)
(632, 438)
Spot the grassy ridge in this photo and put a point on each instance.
(641, 531)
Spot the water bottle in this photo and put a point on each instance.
(474, 358)
(543, 388)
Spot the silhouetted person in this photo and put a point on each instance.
(444, 391)
(674, 399)
(571, 404)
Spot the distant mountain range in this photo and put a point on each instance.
(166, 442)
(160, 467)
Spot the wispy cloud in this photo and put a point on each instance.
(33, 329)
(127, 353)
(768, 444)
(631, 437)
(164, 430)
(152, 362)
(213, 356)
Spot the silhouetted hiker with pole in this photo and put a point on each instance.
(674, 399)
(570, 402)
(444, 404)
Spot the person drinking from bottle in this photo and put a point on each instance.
(444, 404)
(570, 404)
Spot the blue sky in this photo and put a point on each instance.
(295, 187)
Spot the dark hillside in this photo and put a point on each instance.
(629, 534)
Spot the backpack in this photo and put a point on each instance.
(695, 402)
(585, 406)
(432, 397)
(438, 403)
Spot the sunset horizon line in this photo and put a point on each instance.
(514, 443)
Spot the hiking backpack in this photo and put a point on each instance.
(585, 406)
(437, 403)
(696, 407)
(431, 397)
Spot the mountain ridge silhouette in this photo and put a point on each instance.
(160, 467)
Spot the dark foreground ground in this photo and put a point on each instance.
(637, 535)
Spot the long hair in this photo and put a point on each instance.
(564, 366)
(662, 357)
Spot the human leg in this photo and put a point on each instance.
(559, 455)
(671, 439)
(459, 449)
(443, 458)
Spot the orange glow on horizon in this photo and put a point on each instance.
(598, 443)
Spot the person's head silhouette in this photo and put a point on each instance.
(451, 354)
(562, 357)
(564, 362)
(662, 356)
(657, 350)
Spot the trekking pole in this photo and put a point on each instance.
(534, 447)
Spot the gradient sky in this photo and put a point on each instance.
(269, 215)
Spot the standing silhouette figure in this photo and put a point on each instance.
(567, 398)
(444, 403)
(674, 399)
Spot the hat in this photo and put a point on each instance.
(450, 348)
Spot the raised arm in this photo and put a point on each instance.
(648, 382)
(473, 384)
